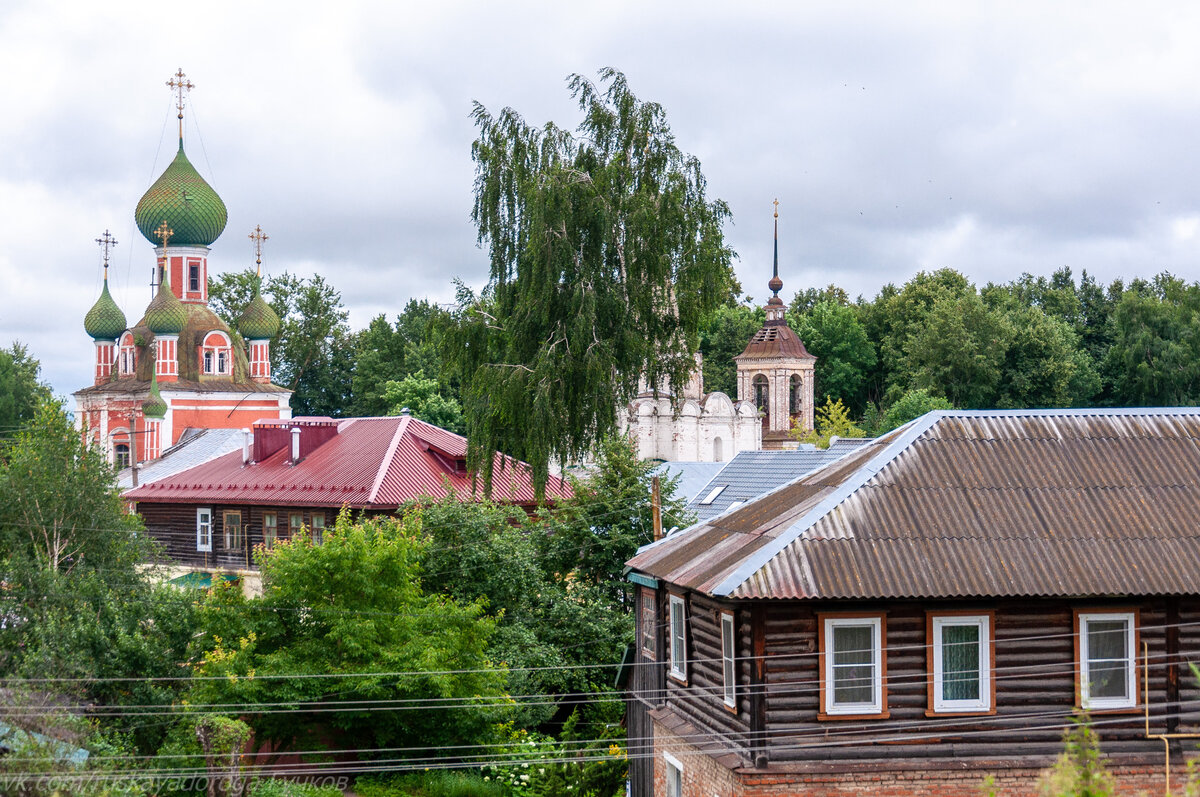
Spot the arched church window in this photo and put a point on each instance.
(795, 398)
(718, 450)
(215, 354)
(127, 357)
(762, 393)
(121, 456)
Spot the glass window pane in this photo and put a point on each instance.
(960, 662)
(852, 644)
(1106, 639)
(853, 684)
(1107, 680)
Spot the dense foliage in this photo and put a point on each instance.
(605, 255)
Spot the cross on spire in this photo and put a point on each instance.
(163, 232)
(776, 204)
(258, 236)
(107, 242)
(181, 85)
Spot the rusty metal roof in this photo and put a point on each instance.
(775, 339)
(968, 504)
(376, 463)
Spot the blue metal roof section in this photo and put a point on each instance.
(692, 476)
(752, 473)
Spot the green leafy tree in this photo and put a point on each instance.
(21, 389)
(605, 254)
(353, 604)
(75, 559)
(314, 352)
(959, 351)
(1044, 365)
(389, 352)
(724, 334)
(832, 420)
(912, 404)
(806, 300)
(845, 356)
(1154, 359)
(421, 398)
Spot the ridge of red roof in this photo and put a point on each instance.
(377, 463)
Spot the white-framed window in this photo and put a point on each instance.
(712, 496)
(961, 648)
(204, 529)
(852, 665)
(727, 660)
(214, 354)
(318, 527)
(1107, 649)
(674, 775)
(678, 631)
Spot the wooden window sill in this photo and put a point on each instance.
(970, 713)
(834, 717)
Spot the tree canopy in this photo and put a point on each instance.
(605, 253)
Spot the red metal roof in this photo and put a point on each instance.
(376, 463)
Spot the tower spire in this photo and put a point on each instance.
(106, 242)
(180, 84)
(776, 284)
(258, 236)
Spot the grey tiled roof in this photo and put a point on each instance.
(692, 476)
(751, 473)
(195, 447)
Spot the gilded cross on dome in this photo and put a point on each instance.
(258, 236)
(181, 85)
(106, 241)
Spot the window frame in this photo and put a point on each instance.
(274, 537)
(826, 625)
(297, 527)
(677, 665)
(674, 775)
(193, 268)
(1083, 617)
(728, 660)
(207, 527)
(317, 529)
(986, 621)
(231, 543)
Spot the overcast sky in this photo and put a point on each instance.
(993, 138)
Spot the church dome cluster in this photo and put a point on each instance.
(165, 315)
(186, 202)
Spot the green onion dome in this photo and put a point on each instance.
(154, 406)
(165, 315)
(104, 321)
(189, 206)
(258, 321)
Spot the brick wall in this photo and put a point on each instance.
(703, 776)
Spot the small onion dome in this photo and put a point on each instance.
(775, 284)
(189, 205)
(258, 321)
(165, 315)
(154, 406)
(104, 321)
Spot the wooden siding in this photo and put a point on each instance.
(700, 701)
(174, 527)
(1035, 678)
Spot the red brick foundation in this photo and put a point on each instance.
(703, 776)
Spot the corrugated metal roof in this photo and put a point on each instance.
(751, 473)
(375, 463)
(969, 504)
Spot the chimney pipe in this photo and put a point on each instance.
(245, 446)
(295, 444)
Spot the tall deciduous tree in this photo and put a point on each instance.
(724, 334)
(605, 253)
(21, 389)
(845, 356)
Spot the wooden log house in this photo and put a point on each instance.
(930, 609)
(298, 474)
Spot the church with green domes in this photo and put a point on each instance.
(179, 368)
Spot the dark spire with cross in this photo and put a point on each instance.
(107, 242)
(776, 284)
(258, 236)
(180, 84)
